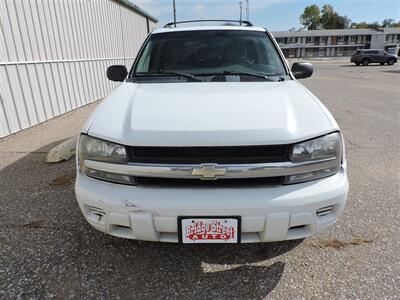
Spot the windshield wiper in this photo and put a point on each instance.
(233, 73)
(263, 76)
(168, 73)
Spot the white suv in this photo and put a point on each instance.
(211, 139)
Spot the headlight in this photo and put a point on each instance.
(327, 149)
(91, 148)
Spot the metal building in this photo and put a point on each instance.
(54, 54)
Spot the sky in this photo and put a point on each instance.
(273, 14)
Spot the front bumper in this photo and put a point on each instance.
(272, 213)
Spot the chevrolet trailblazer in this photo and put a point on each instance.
(210, 138)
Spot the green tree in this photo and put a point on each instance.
(374, 25)
(345, 21)
(387, 23)
(360, 25)
(330, 19)
(311, 18)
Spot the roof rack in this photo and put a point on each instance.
(241, 23)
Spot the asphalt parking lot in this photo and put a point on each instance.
(48, 250)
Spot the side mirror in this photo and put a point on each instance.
(302, 70)
(117, 72)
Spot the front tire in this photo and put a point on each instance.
(357, 64)
(391, 62)
(365, 62)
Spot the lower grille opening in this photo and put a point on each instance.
(120, 230)
(298, 232)
(242, 182)
(324, 211)
(297, 227)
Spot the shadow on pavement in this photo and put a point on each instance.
(47, 248)
(392, 71)
(364, 67)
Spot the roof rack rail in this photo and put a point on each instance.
(245, 23)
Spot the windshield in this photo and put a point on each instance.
(208, 52)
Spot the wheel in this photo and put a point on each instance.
(365, 62)
(357, 64)
(390, 61)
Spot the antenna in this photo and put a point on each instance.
(247, 11)
(173, 6)
(241, 9)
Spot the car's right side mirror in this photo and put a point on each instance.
(302, 70)
(117, 72)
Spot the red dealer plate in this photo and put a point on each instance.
(207, 230)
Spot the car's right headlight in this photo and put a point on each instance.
(326, 151)
(95, 149)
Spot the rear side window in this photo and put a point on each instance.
(208, 51)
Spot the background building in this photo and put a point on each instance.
(54, 54)
(338, 42)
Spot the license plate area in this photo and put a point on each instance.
(209, 229)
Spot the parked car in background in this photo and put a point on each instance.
(367, 56)
(211, 138)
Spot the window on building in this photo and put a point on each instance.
(353, 39)
(323, 39)
(340, 39)
(310, 40)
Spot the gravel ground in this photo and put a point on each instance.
(47, 249)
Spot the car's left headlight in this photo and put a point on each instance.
(95, 149)
(325, 151)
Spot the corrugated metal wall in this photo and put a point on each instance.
(54, 54)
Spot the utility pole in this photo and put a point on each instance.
(247, 10)
(173, 5)
(241, 9)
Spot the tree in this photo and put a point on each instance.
(327, 18)
(345, 21)
(387, 23)
(374, 25)
(361, 25)
(311, 18)
(330, 19)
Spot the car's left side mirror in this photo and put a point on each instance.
(117, 72)
(302, 70)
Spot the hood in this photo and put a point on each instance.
(210, 114)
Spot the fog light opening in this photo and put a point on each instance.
(324, 211)
(97, 212)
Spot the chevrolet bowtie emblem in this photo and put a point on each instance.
(209, 171)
